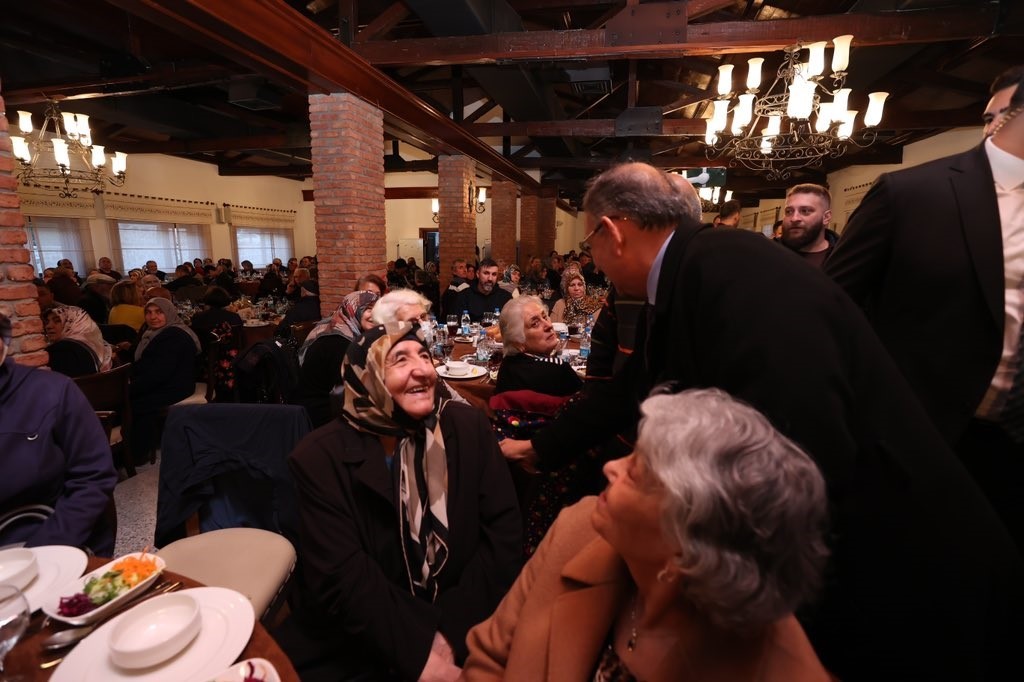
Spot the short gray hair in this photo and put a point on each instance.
(513, 325)
(744, 503)
(640, 192)
(386, 308)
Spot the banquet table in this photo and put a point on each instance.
(26, 656)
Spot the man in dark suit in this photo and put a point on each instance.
(924, 580)
(935, 256)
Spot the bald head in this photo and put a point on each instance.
(689, 195)
(643, 193)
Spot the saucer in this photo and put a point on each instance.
(475, 372)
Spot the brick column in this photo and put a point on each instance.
(503, 220)
(17, 293)
(457, 227)
(530, 204)
(546, 221)
(348, 198)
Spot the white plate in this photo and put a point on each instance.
(58, 565)
(228, 620)
(464, 339)
(570, 352)
(51, 606)
(474, 372)
(256, 323)
(262, 669)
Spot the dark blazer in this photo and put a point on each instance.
(916, 548)
(319, 374)
(165, 373)
(354, 573)
(923, 256)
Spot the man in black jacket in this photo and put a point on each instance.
(924, 580)
(483, 296)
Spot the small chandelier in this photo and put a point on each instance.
(711, 198)
(435, 206)
(790, 139)
(69, 138)
(477, 197)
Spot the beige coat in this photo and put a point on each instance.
(557, 617)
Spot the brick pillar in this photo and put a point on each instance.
(528, 246)
(348, 178)
(457, 227)
(17, 293)
(503, 220)
(546, 221)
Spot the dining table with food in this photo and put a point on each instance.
(69, 617)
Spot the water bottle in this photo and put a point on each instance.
(585, 338)
(464, 322)
(483, 347)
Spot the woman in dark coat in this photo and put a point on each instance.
(410, 532)
(163, 372)
(323, 351)
(531, 360)
(214, 316)
(76, 345)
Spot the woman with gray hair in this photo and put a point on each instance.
(689, 565)
(401, 305)
(531, 359)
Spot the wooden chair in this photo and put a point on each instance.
(300, 330)
(107, 392)
(115, 334)
(251, 335)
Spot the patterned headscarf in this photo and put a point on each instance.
(171, 313)
(423, 475)
(577, 308)
(77, 325)
(344, 322)
(509, 271)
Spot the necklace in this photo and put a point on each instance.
(633, 634)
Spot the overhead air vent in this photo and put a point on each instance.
(255, 95)
(590, 81)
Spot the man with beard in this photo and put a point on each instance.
(483, 296)
(804, 231)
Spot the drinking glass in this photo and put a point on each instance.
(448, 347)
(452, 322)
(14, 615)
(563, 339)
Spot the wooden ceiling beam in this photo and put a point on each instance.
(384, 22)
(285, 43)
(891, 28)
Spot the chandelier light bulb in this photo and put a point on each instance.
(801, 99)
(816, 61)
(840, 103)
(721, 113)
(724, 79)
(824, 120)
(715, 194)
(774, 125)
(710, 138)
(728, 195)
(846, 127)
(99, 160)
(754, 72)
(744, 110)
(25, 122)
(841, 55)
(84, 134)
(876, 103)
(60, 152)
(704, 193)
(20, 148)
(119, 164)
(70, 125)
(766, 144)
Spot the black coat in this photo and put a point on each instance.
(352, 550)
(72, 358)
(165, 373)
(522, 372)
(923, 256)
(319, 374)
(924, 581)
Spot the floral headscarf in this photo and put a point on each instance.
(577, 308)
(509, 271)
(173, 320)
(77, 325)
(344, 322)
(423, 484)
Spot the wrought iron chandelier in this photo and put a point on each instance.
(799, 129)
(46, 157)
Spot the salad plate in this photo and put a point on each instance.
(118, 587)
(227, 623)
(250, 669)
(474, 372)
(58, 565)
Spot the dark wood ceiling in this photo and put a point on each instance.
(575, 84)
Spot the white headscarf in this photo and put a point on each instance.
(77, 325)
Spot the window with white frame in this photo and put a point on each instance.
(262, 245)
(169, 244)
(51, 239)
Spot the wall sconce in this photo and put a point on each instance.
(477, 197)
(435, 206)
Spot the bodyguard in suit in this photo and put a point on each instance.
(935, 256)
(924, 582)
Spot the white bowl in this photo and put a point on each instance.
(560, 327)
(457, 368)
(18, 567)
(155, 630)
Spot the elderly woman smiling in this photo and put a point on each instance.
(688, 566)
(409, 527)
(530, 361)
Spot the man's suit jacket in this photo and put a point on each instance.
(556, 619)
(923, 256)
(922, 570)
